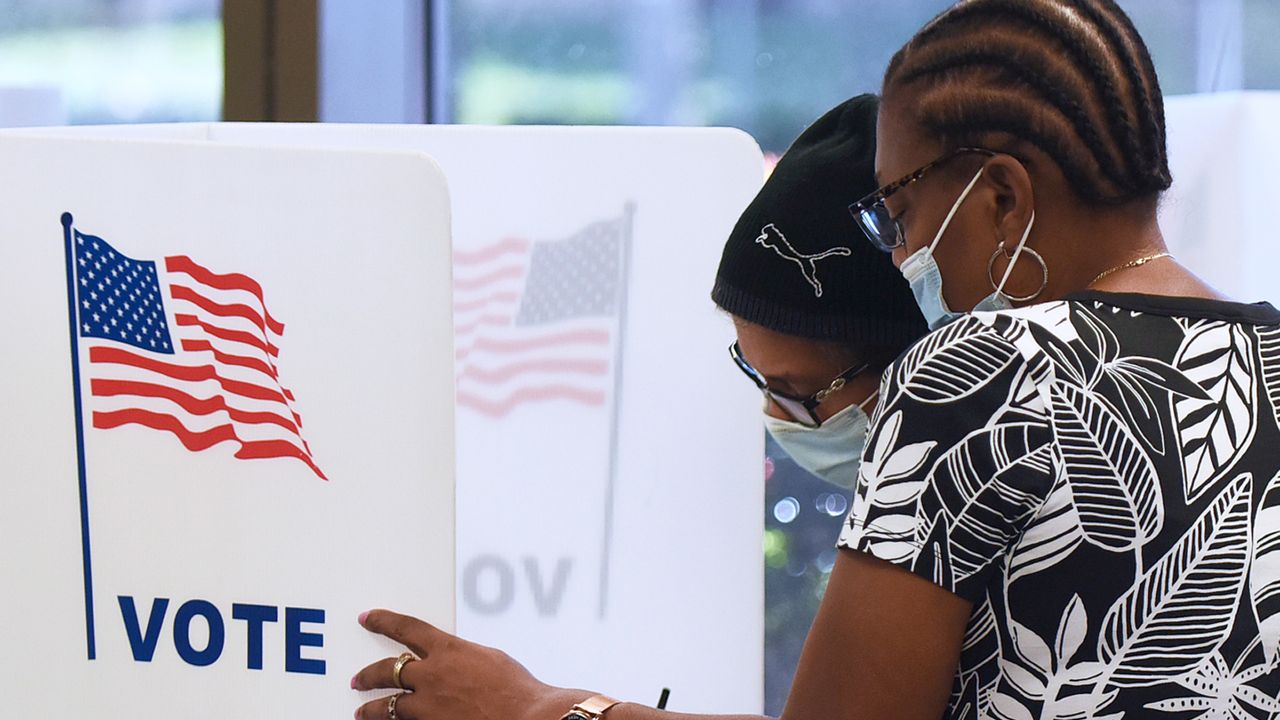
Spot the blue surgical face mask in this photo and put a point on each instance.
(833, 450)
(925, 277)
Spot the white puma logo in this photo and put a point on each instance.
(772, 238)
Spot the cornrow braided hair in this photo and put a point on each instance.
(1070, 77)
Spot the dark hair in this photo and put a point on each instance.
(1070, 77)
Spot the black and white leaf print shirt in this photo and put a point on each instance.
(1101, 477)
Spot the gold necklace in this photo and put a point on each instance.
(1131, 264)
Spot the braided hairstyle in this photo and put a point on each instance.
(1070, 77)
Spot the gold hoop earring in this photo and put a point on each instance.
(1044, 269)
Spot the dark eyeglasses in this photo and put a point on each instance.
(801, 410)
(884, 230)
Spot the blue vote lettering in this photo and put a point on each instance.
(254, 616)
(298, 635)
(143, 645)
(182, 633)
(295, 639)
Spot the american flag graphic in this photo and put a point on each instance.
(536, 321)
(176, 347)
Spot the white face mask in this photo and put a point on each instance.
(925, 277)
(833, 450)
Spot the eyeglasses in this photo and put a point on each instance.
(799, 409)
(880, 226)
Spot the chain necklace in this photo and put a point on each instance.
(1131, 264)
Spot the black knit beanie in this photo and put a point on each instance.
(797, 262)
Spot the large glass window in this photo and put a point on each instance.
(768, 67)
(111, 61)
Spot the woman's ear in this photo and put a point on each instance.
(1015, 197)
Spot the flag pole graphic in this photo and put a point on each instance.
(72, 315)
(624, 270)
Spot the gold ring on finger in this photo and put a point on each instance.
(391, 706)
(404, 659)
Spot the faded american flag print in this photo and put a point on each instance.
(536, 321)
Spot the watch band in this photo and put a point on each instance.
(593, 708)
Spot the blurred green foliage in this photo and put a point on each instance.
(150, 73)
(117, 60)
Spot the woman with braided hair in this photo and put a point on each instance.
(1068, 505)
(1085, 449)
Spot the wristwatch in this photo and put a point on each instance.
(592, 708)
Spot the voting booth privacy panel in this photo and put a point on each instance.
(218, 443)
(1220, 218)
(609, 476)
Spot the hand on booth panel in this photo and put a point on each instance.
(449, 676)
(885, 644)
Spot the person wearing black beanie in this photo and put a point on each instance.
(818, 310)
(819, 313)
(797, 264)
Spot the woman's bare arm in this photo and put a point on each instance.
(886, 643)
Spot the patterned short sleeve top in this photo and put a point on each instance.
(1100, 476)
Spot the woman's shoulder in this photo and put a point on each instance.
(1076, 340)
(1186, 308)
(1087, 338)
(976, 356)
(977, 342)
(1108, 327)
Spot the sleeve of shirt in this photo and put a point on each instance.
(959, 457)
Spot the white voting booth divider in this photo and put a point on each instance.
(609, 483)
(1221, 216)
(28, 106)
(213, 417)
